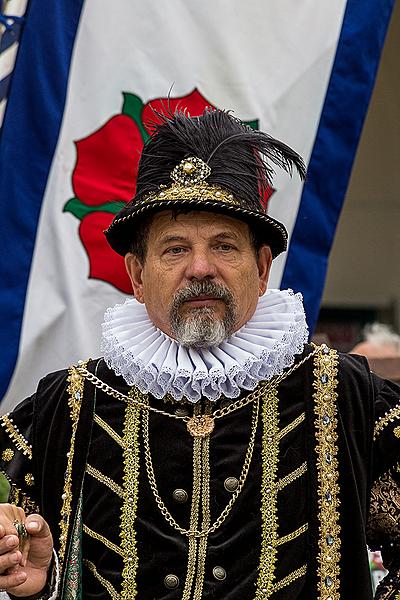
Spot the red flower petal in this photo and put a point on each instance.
(194, 102)
(107, 161)
(105, 264)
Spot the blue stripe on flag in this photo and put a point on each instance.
(28, 139)
(4, 85)
(349, 91)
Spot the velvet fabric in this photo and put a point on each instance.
(44, 419)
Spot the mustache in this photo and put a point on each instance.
(200, 288)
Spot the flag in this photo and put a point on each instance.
(86, 77)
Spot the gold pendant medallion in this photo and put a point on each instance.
(200, 426)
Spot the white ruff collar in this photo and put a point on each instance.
(146, 357)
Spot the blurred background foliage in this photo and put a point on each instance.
(4, 488)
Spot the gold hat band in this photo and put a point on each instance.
(200, 191)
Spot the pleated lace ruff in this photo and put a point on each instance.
(146, 357)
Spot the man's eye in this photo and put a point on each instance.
(225, 247)
(175, 250)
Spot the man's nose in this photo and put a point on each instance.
(200, 266)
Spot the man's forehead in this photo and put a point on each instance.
(166, 223)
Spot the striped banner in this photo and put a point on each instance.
(78, 101)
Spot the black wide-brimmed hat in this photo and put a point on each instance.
(212, 163)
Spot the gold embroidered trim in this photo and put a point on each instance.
(108, 586)
(29, 479)
(325, 399)
(7, 454)
(19, 498)
(384, 511)
(293, 535)
(100, 538)
(290, 578)
(206, 521)
(194, 511)
(269, 516)
(282, 483)
(113, 434)
(75, 391)
(107, 481)
(129, 507)
(292, 425)
(389, 417)
(20, 442)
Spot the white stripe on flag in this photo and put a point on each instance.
(7, 60)
(2, 110)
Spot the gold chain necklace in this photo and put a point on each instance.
(242, 479)
(198, 425)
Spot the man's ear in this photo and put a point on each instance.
(264, 262)
(134, 268)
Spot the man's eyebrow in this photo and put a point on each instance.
(172, 238)
(222, 235)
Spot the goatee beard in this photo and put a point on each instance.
(202, 327)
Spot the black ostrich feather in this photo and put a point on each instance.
(241, 159)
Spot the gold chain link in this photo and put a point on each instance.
(242, 479)
(194, 512)
(218, 414)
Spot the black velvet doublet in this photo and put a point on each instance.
(36, 440)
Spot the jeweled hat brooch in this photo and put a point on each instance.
(212, 163)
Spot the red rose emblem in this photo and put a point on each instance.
(104, 177)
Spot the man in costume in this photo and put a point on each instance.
(211, 452)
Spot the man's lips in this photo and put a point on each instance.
(202, 300)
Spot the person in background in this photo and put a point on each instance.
(381, 347)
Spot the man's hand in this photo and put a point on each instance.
(23, 564)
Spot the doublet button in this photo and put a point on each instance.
(171, 581)
(231, 484)
(219, 573)
(180, 496)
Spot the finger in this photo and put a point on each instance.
(8, 514)
(37, 526)
(12, 580)
(10, 542)
(10, 561)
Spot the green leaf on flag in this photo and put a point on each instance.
(80, 210)
(133, 107)
(253, 124)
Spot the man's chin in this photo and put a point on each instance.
(200, 330)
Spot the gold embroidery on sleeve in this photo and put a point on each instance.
(325, 398)
(8, 454)
(20, 442)
(384, 511)
(389, 417)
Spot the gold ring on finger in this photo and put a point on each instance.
(21, 533)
